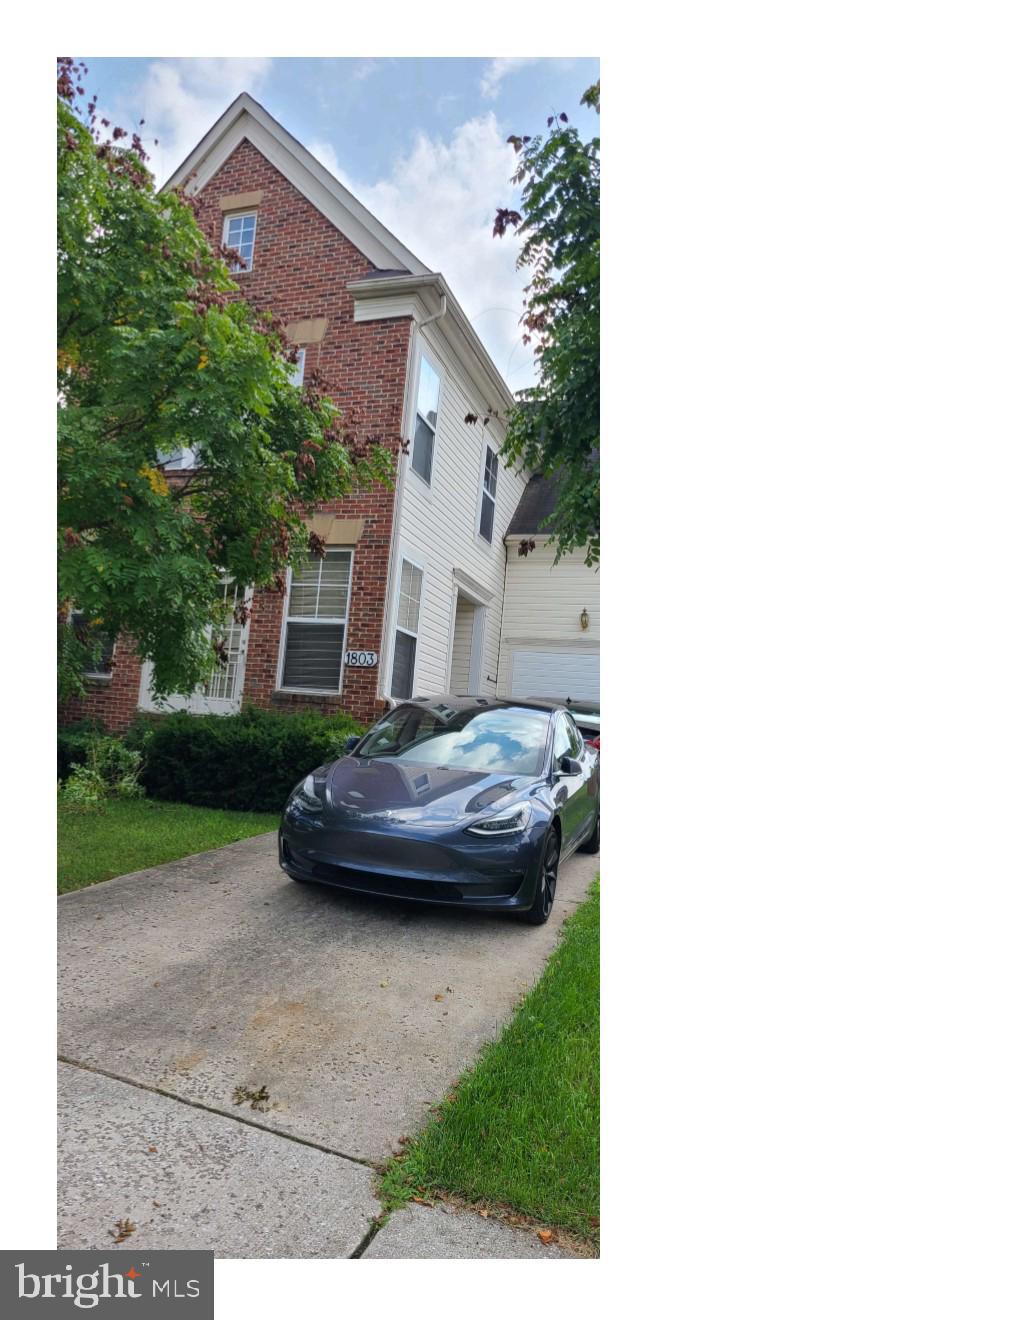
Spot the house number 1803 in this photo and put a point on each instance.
(361, 659)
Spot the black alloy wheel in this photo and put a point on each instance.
(545, 891)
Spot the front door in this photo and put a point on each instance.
(221, 693)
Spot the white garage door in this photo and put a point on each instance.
(556, 674)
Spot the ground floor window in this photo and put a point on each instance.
(100, 644)
(316, 623)
(405, 640)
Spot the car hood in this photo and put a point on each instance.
(394, 791)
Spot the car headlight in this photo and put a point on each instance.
(507, 822)
(307, 794)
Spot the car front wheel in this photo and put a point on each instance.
(545, 890)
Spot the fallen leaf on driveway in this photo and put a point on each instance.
(152, 1150)
(439, 997)
(122, 1230)
(383, 985)
(546, 1235)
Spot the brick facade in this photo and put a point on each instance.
(301, 268)
(113, 701)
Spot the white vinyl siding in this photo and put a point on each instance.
(542, 614)
(463, 633)
(439, 527)
(316, 622)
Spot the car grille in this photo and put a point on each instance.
(398, 886)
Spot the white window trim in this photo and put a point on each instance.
(297, 369)
(281, 658)
(240, 215)
(434, 363)
(396, 626)
(483, 495)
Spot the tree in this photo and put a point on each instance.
(554, 429)
(157, 354)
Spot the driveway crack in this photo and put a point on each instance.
(223, 1113)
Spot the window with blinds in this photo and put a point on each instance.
(313, 644)
(405, 639)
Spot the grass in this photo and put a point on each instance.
(127, 836)
(521, 1129)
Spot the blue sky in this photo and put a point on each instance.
(421, 142)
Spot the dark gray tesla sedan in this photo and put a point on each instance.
(460, 800)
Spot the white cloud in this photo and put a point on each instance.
(496, 71)
(440, 200)
(181, 99)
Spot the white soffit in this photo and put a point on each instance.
(245, 118)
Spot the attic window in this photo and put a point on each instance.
(239, 233)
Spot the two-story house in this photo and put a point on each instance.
(409, 597)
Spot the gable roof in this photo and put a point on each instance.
(536, 504)
(245, 118)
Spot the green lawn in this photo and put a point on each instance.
(522, 1129)
(129, 836)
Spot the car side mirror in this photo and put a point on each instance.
(568, 766)
(351, 742)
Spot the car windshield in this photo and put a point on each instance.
(498, 740)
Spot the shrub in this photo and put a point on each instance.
(83, 788)
(245, 762)
(110, 770)
(73, 744)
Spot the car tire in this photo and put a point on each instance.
(592, 845)
(545, 890)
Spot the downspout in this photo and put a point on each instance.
(438, 315)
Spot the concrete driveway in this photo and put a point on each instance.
(238, 1051)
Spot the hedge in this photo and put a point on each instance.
(245, 762)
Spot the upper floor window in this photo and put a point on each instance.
(297, 369)
(489, 475)
(180, 460)
(239, 233)
(426, 419)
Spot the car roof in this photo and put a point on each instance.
(462, 701)
(573, 704)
